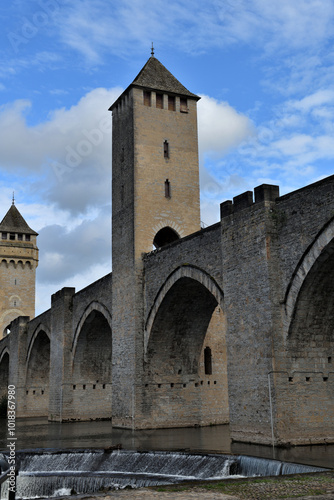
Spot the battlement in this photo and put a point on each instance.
(263, 193)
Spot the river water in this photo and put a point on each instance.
(38, 433)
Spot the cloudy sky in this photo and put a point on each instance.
(264, 69)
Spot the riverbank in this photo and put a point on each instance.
(319, 486)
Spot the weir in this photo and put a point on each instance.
(49, 474)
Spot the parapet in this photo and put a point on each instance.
(265, 192)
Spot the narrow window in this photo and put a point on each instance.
(207, 361)
(20, 237)
(14, 304)
(171, 103)
(12, 236)
(167, 188)
(147, 98)
(183, 105)
(159, 101)
(166, 149)
(27, 237)
(4, 236)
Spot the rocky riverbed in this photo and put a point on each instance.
(319, 486)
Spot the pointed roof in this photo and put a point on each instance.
(154, 76)
(13, 222)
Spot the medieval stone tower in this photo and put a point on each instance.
(155, 193)
(18, 262)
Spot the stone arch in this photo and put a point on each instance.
(186, 322)
(92, 364)
(40, 328)
(164, 224)
(93, 306)
(185, 271)
(165, 236)
(8, 316)
(312, 260)
(4, 372)
(38, 373)
(309, 344)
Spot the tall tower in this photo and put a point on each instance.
(155, 201)
(18, 262)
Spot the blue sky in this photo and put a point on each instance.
(264, 70)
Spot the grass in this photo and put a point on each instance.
(279, 487)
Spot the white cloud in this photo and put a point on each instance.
(69, 151)
(65, 254)
(93, 27)
(221, 127)
(315, 100)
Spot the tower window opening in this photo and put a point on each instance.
(165, 236)
(183, 105)
(12, 236)
(167, 189)
(159, 103)
(27, 237)
(20, 237)
(171, 103)
(4, 236)
(166, 149)
(147, 98)
(207, 361)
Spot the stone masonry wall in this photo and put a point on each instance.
(304, 347)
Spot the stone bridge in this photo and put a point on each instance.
(236, 326)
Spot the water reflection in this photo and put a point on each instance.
(35, 433)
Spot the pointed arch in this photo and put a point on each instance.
(184, 271)
(185, 352)
(40, 328)
(3, 352)
(38, 373)
(93, 306)
(92, 364)
(315, 254)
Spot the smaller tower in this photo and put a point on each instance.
(18, 262)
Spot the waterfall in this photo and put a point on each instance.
(52, 474)
(253, 466)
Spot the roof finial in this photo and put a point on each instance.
(13, 200)
(152, 50)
